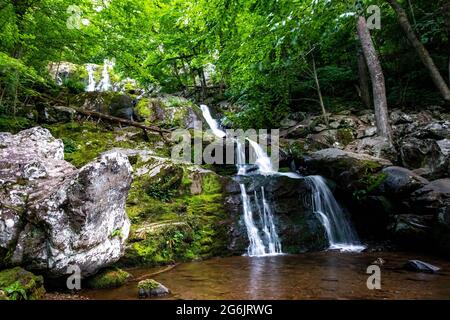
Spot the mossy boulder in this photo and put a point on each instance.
(19, 284)
(108, 278)
(177, 212)
(168, 111)
(151, 288)
(85, 141)
(342, 166)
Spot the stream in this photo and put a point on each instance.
(320, 275)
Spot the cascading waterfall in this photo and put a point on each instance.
(339, 230)
(211, 122)
(91, 80)
(105, 82)
(265, 241)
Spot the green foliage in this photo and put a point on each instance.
(19, 284)
(116, 233)
(367, 184)
(14, 124)
(16, 291)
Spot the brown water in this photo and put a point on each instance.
(323, 275)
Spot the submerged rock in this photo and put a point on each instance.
(151, 288)
(19, 284)
(420, 266)
(52, 215)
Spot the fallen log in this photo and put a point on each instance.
(121, 121)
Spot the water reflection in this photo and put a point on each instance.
(323, 275)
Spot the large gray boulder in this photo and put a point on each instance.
(342, 166)
(400, 180)
(52, 215)
(433, 197)
(425, 155)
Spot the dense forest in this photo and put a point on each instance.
(92, 91)
(264, 54)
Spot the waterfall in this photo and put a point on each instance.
(264, 240)
(256, 246)
(105, 82)
(339, 230)
(91, 80)
(262, 159)
(211, 122)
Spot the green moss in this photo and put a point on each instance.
(368, 183)
(148, 284)
(14, 125)
(109, 278)
(19, 284)
(211, 184)
(345, 136)
(83, 142)
(143, 109)
(297, 149)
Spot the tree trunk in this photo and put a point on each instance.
(421, 51)
(363, 79)
(377, 77)
(319, 92)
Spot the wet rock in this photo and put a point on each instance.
(400, 117)
(52, 215)
(423, 154)
(297, 225)
(55, 114)
(436, 130)
(151, 288)
(431, 198)
(375, 146)
(122, 106)
(19, 284)
(365, 132)
(420, 266)
(441, 230)
(412, 230)
(379, 262)
(337, 138)
(400, 180)
(343, 166)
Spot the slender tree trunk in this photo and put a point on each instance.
(319, 92)
(363, 79)
(421, 50)
(377, 77)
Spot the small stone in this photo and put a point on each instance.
(420, 266)
(151, 288)
(379, 262)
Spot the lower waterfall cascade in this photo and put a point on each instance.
(260, 225)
